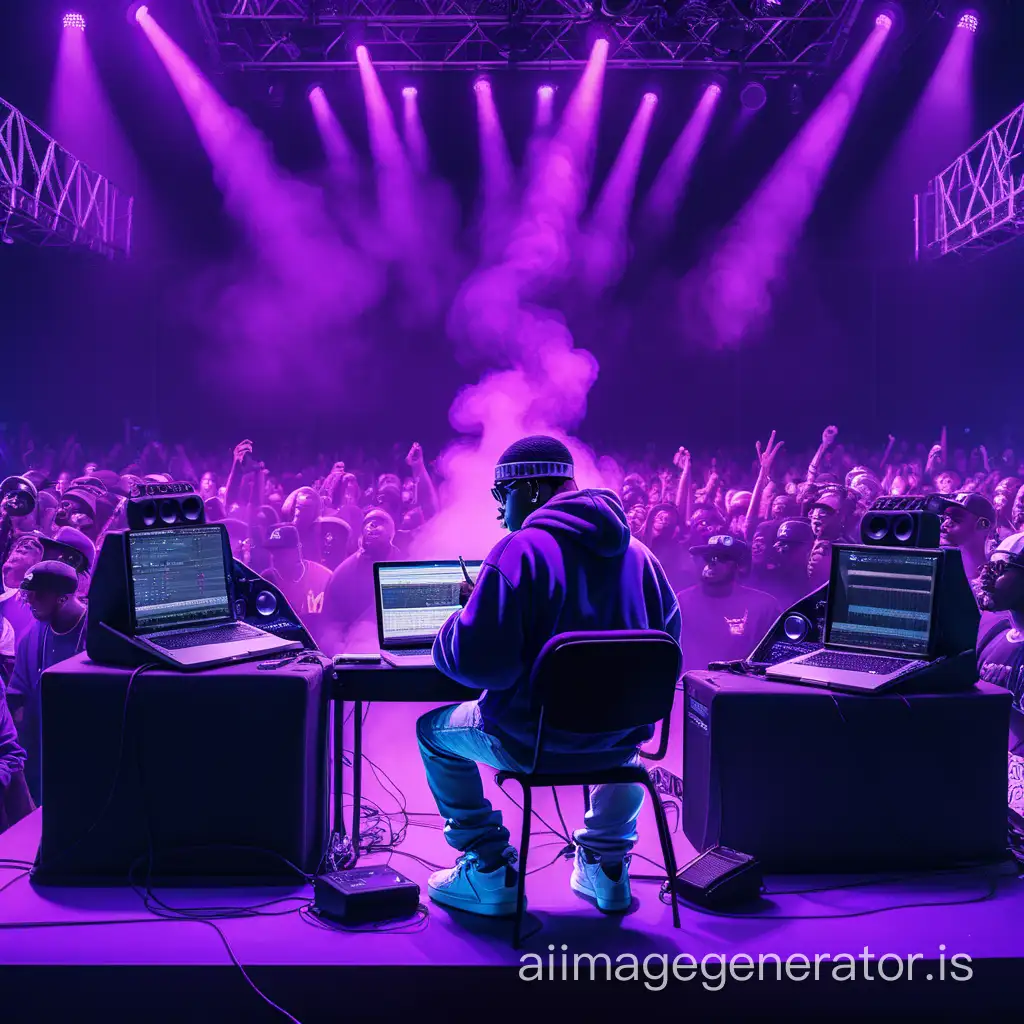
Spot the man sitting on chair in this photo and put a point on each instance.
(568, 565)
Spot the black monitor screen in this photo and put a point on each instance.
(882, 599)
(179, 577)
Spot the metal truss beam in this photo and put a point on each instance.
(302, 35)
(49, 197)
(975, 204)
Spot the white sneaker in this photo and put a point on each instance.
(466, 887)
(590, 879)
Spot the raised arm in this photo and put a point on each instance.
(765, 458)
(828, 438)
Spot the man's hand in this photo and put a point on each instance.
(465, 592)
(339, 468)
(681, 460)
(828, 436)
(414, 460)
(766, 455)
(243, 452)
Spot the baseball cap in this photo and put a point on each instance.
(975, 502)
(723, 546)
(282, 535)
(73, 547)
(795, 531)
(51, 577)
(830, 500)
(1011, 550)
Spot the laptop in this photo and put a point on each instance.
(181, 602)
(414, 600)
(879, 621)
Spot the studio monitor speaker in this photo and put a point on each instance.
(910, 522)
(159, 506)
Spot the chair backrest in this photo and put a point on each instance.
(608, 681)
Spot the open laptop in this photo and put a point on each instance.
(879, 622)
(181, 600)
(414, 600)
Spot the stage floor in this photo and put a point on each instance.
(80, 939)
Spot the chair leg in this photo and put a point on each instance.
(524, 850)
(667, 850)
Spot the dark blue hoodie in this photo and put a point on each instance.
(573, 566)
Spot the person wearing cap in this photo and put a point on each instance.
(569, 563)
(50, 590)
(826, 514)
(302, 582)
(26, 550)
(968, 522)
(334, 540)
(786, 575)
(72, 547)
(722, 620)
(349, 595)
(1000, 590)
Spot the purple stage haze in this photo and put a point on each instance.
(723, 302)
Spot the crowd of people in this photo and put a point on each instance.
(741, 536)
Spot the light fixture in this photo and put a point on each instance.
(409, 92)
(753, 96)
(969, 21)
(74, 20)
(884, 21)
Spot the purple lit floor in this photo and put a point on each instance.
(789, 924)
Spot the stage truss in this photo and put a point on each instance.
(975, 204)
(761, 36)
(49, 197)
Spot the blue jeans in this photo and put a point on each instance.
(452, 743)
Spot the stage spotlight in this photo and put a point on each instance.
(136, 13)
(884, 21)
(482, 85)
(969, 21)
(316, 92)
(715, 89)
(753, 96)
(409, 92)
(362, 53)
(650, 98)
(546, 92)
(74, 20)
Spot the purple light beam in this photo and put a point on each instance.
(724, 301)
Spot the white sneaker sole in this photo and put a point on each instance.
(579, 885)
(506, 908)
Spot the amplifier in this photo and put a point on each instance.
(365, 895)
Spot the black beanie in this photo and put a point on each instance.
(533, 458)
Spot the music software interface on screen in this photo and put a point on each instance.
(416, 601)
(884, 601)
(178, 577)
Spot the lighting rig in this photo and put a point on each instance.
(48, 197)
(759, 36)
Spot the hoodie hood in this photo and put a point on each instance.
(593, 518)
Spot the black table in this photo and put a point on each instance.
(377, 683)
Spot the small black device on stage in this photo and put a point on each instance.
(720, 878)
(365, 895)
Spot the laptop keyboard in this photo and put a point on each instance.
(411, 652)
(203, 637)
(856, 662)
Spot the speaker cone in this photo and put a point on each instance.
(149, 513)
(903, 528)
(168, 512)
(875, 527)
(192, 508)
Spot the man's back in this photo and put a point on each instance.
(572, 567)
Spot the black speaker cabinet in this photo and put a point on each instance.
(158, 511)
(812, 780)
(214, 777)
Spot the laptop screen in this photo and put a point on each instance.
(415, 599)
(882, 599)
(179, 577)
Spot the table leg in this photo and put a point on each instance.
(338, 754)
(357, 777)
